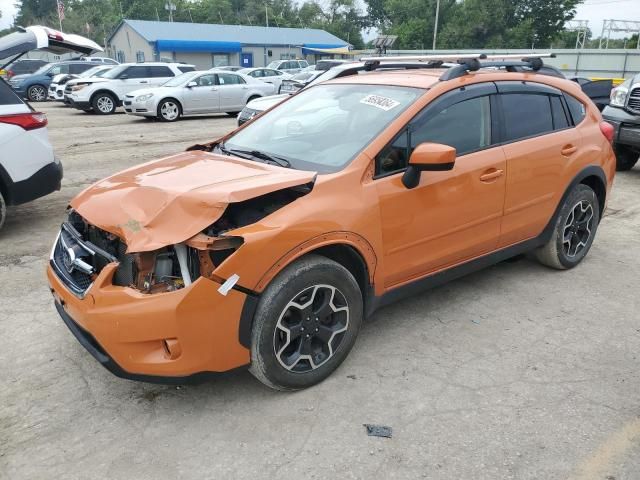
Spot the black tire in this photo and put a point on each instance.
(37, 93)
(574, 230)
(626, 157)
(310, 279)
(169, 110)
(104, 103)
(3, 210)
(232, 114)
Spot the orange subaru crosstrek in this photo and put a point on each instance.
(267, 248)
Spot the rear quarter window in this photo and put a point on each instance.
(187, 69)
(576, 108)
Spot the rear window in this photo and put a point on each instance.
(536, 109)
(186, 69)
(160, 72)
(7, 96)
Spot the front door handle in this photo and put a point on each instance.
(568, 150)
(214, 89)
(491, 175)
(143, 81)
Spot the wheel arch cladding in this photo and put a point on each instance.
(346, 255)
(599, 187)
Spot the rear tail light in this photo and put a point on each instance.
(607, 130)
(28, 121)
(10, 73)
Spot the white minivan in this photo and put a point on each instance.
(28, 167)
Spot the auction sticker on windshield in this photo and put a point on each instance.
(384, 103)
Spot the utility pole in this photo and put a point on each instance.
(435, 27)
(266, 14)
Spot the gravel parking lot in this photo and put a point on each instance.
(515, 372)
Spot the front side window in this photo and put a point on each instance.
(465, 126)
(206, 80)
(59, 69)
(526, 115)
(229, 79)
(324, 128)
(137, 72)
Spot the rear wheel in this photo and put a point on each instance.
(574, 231)
(169, 110)
(305, 324)
(626, 157)
(37, 93)
(104, 104)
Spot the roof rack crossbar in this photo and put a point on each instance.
(535, 63)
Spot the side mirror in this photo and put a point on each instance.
(433, 157)
(124, 76)
(49, 74)
(192, 84)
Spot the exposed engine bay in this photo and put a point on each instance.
(176, 266)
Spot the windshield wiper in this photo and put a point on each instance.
(282, 162)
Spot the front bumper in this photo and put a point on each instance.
(626, 126)
(145, 109)
(164, 337)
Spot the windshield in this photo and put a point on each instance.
(180, 80)
(273, 65)
(115, 71)
(323, 128)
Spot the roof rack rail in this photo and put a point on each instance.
(423, 58)
(533, 61)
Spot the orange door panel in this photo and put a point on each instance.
(449, 217)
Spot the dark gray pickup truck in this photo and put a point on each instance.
(623, 112)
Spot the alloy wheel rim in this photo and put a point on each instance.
(169, 110)
(577, 229)
(105, 104)
(38, 94)
(311, 328)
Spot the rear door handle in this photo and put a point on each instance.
(491, 175)
(568, 150)
(143, 81)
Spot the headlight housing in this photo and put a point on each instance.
(78, 86)
(619, 94)
(144, 98)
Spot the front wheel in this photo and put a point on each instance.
(37, 93)
(306, 322)
(169, 110)
(626, 157)
(574, 231)
(3, 210)
(104, 104)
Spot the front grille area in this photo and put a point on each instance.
(82, 251)
(634, 100)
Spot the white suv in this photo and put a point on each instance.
(288, 66)
(28, 167)
(104, 94)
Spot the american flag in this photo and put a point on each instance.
(60, 9)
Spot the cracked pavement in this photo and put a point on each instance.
(514, 372)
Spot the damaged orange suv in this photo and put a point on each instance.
(267, 248)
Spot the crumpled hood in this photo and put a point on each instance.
(168, 201)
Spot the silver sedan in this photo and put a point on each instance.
(196, 93)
